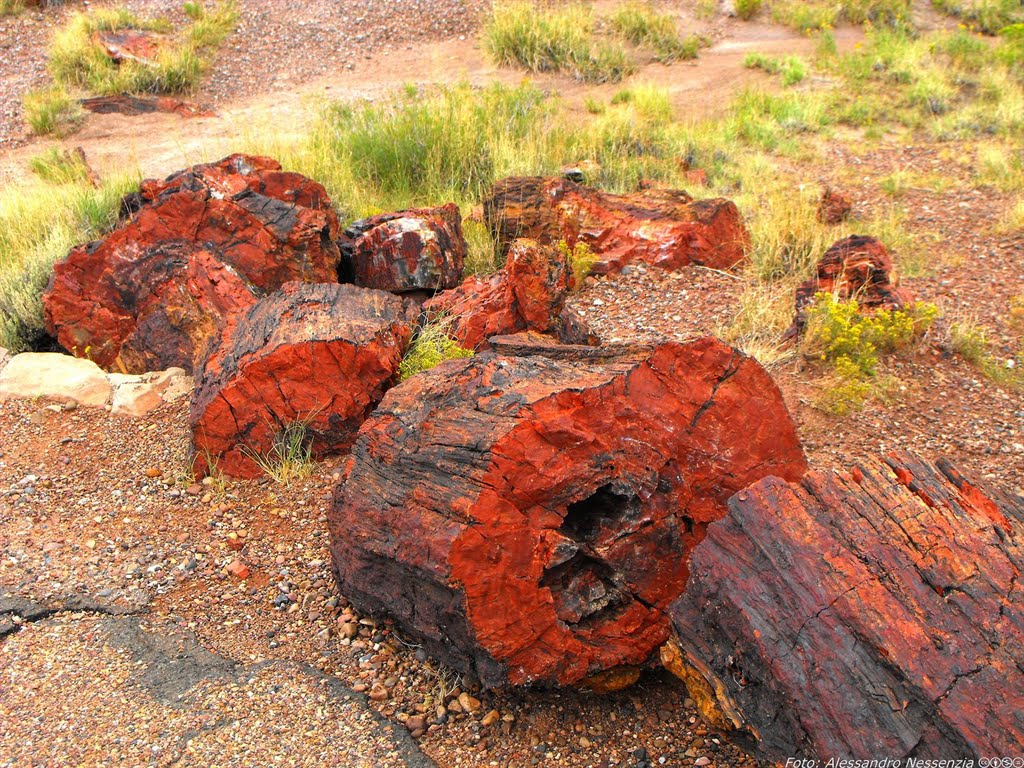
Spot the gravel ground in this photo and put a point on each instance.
(277, 45)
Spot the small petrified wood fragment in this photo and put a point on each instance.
(528, 294)
(863, 615)
(197, 248)
(856, 267)
(662, 227)
(317, 355)
(529, 519)
(420, 249)
(834, 206)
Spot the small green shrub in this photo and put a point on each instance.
(52, 111)
(838, 333)
(791, 68)
(970, 340)
(431, 347)
(989, 16)
(552, 39)
(75, 61)
(581, 260)
(11, 7)
(60, 166)
(747, 9)
(290, 457)
(642, 25)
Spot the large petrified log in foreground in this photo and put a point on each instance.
(199, 247)
(528, 294)
(864, 615)
(856, 267)
(665, 228)
(529, 519)
(319, 356)
(420, 249)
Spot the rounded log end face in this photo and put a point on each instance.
(551, 505)
(317, 355)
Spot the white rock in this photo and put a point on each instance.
(54, 376)
(138, 395)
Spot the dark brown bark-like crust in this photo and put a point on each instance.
(864, 615)
(125, 104)
(662, 227)
(320, 355)
(529, 519)
(198, 248)
(420, 249)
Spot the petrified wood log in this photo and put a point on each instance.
(665, 228)
(529, 519)
(198, 246)
(529, 294)
(856, 267)
(320, 356)
(834, 206)
(863, 615)
(125, 104)
(416, 249)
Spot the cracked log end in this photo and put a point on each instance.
(662, 227)
(319, 355)
(871, 615)
(410, 250)
(200, 245)
(529, 519)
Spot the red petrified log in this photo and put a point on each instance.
(856, 267)
(529, 294)
(834, 206)
(124, 104)
(665, 228)
(317, 355)
(416, 249)
(865, 616)
(202, 244)
(529, 519)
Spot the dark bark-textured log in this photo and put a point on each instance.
(856, 267)
(665, 228)
(412, 250)
(834, 206)
(864, 615)
(529, 294)
(199, 246)
(529, 519)
(125, 104)
(319, 355)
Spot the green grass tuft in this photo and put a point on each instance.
(642, 25)
(432, 346)
(52, 111)
(290, 458)
(553, 40)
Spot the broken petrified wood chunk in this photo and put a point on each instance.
(856, 267)
(318, 356)
(412, 250)
(124, 104)
(662, 227)
(529, 294)
(529, 519)
(202, 244)
(834, 206)
(875, 614)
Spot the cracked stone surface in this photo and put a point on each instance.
(505, 511)
(318, 355)
(864, 613)
(117, 692)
